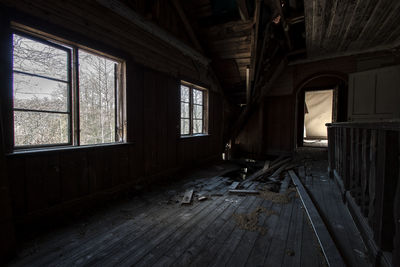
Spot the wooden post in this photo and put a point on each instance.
(331, 147)
(379, 188)
(396, 213)
(372, 175)
(7, 236)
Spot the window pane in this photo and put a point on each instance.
(96, 99)
(197, 126)
(39, 93)
(197, 112)
(37, 58)
(39, 128)
(197, 97)
(184, 126)
(184, 93)
(185, 110)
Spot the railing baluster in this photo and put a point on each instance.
(379, 187)
(366, 157)
(372, 176)
(352, 156)
(364, 173)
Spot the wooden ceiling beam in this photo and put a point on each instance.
(254, 39)
(242, 6)
(284, 24)
(119, 8)
(187, 25)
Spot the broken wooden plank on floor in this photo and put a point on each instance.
(328, 246)
(266, 165)
(263, 171)
(276, 174)
(187, 198)
(234, 185)
(291, 166)
(285, 183)
(202, 198)
(242, 191)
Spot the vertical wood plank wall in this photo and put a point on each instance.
(364, 158)
(48, 183)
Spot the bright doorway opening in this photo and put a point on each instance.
(318, 107)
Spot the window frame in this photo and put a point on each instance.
(191, 103)
(73, 105)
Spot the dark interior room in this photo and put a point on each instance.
(200, 133)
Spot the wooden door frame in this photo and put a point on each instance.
(340, 85)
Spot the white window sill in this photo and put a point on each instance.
(55, 149)
(183, 137)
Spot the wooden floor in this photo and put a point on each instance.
(329, 201)
(154, 229)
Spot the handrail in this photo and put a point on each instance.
(378, 125)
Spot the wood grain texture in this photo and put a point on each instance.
(328, 246)
(334, 26)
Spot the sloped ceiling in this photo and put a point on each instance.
(351, 26)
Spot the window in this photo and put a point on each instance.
(64, 95)
(194, 102)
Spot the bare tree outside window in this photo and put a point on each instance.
(96, 99)
(193, 110)
(43, 105)
(41, 88)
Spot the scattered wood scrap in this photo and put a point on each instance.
(202, 198)
(266, 165)
(274, 166)
(187, 198)
(234, 185)
(242, 191)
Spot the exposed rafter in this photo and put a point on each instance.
(187, 25)
(126, 12)
(244, 13)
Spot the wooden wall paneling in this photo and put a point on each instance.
(35, 186)
(51, 177)
(149, 115)
(162, 122)
(73, 174)
(17, 180)
(120, 165)
(173, 122)
(135, 118)
(109, 167)
(213, 122)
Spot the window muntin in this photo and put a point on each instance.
(42, 113)
(51, 108)
(193, 110)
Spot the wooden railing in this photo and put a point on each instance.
(364, 157)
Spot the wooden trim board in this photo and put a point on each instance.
(328, 246)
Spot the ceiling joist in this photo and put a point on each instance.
(127, 13)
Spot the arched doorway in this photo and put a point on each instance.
(334, 84)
